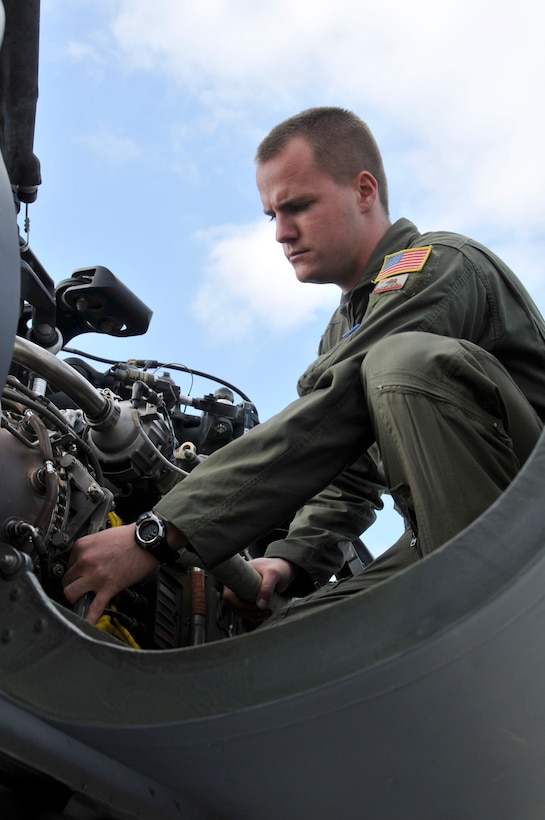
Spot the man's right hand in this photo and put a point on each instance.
(105, 563)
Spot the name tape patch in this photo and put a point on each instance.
(394, 282)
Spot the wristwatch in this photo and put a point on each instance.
(151, 535)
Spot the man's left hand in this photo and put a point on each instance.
(276, 575)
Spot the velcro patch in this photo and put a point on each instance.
(391, 283)
(409, 260)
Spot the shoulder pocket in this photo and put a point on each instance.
(405, 284)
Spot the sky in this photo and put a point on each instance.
(148, 118)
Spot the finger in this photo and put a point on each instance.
(266, 590)
(75, 591)
(233, 600)
(230, 598)
(97, 607)
(75, 588)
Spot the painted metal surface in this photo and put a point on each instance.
(420, 698)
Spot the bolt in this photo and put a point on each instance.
(95, 493)
(11, 564)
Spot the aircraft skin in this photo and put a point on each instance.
(421, 698)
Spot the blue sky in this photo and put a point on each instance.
(148, 119)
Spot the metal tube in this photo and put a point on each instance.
(55, 370)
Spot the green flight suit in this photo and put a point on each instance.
(447, 415)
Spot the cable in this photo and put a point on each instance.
(172, 467)
(154, 364)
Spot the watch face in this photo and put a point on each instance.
(148, 530)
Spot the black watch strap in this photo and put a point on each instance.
(151, 535)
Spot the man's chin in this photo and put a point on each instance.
(303, 274)
(303, 271)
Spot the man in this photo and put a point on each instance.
(435, 356)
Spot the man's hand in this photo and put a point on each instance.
(105, 563)
(276, 574)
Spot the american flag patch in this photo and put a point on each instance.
(410, 260)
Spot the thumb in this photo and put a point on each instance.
(264, 595)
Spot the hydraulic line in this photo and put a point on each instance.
(20, 395)
(51, 479)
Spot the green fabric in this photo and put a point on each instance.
(400, 556)
(453, 429)
(264, 478)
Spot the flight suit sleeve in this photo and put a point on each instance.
(260, 480)
(320, 531)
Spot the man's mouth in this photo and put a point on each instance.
(294, 255)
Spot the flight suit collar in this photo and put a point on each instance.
(402, 234)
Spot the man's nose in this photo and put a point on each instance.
(286, 228)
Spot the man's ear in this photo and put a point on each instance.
(367, 190)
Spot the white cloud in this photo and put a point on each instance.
(250, 289)
(470, 55)
(453, 98)
(83, 52)
(463, 85)
(111, 147)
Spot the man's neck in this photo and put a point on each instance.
(375, 230)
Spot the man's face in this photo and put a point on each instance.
(319, 222)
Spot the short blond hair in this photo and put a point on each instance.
(342, 144)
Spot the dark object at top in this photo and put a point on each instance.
(19, 95)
